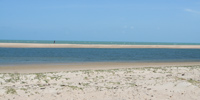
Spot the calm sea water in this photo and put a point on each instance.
(94, 42)
(71, 55)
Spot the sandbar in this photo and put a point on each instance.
(35, 45)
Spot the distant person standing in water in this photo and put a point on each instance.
(54, 42)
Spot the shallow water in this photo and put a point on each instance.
(73, 55)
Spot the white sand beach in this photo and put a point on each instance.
(108, 81)
(34, 45)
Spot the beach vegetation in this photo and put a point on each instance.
(116, 83)
(55, 77)
(13, 77)
(40, 85)
(23, 82)
(99, 70)
(108, 88)
(87, 71)
(74, 87)
(194, 82)
(85, 78)
(101, 77)
(9, 80)
(85, 84)
(24, 89)
(180, 78)
(132, 84)
(128, 71)
(10, 90)
(128, 78)
(154, 71)
(67, 78)
(94, 79)
(40, 76)
(46, 80)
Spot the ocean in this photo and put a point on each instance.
(94, 42)
(79, 55)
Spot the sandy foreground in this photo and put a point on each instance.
(131, 81)
(32, 45)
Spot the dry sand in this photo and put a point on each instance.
(32, 45)
(119, 81)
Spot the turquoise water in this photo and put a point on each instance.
(94, 42)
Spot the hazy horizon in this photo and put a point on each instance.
(95, 42)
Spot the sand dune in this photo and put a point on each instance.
(32, 45)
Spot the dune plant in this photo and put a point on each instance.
(10, 90)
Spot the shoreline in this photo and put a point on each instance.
(35, 45)
(57, 67)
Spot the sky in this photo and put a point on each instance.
(101, 20)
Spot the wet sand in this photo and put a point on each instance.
(56, 67)
(32, 45)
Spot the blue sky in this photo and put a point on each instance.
(102, 20)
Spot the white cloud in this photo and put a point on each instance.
(192, 11)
